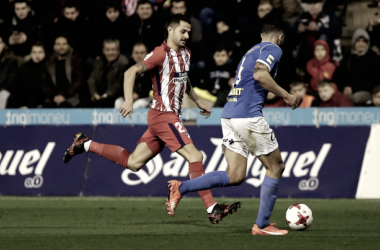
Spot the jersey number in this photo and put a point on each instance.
(240, 70)
(179, 127)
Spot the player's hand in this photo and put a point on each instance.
(13, 39)
(58, 99)
(292, 101)
(126, 108)
(312, 26)
(301, 28)
(374, 20)
(206, 111)
(96, 96)
(23, 38)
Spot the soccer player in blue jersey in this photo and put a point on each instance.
(245, 131)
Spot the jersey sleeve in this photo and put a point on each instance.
(270, 55)
(154, 58)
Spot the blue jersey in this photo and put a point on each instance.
(246, 98)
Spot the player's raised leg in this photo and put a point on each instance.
(216, 212)
(268, 195)
(133, 161)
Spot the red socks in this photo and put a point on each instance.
(111, 152)
(120, 156)
(196, 169)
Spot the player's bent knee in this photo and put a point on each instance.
(279, 169)
(134, 167)
(235, 179)
(196, 157)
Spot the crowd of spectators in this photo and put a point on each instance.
(73, 53)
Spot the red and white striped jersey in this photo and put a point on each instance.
(168, 70)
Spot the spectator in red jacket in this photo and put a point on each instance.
(321, 66)
(330, 97)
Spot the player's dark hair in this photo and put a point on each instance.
(61, 36)
(21, 1)
(71, 4)
(176, 1)
(297, 80)
(265, 2)
(272, 24)
(324, 83)
(376, 90)
(294, 84)
(113, 5)
(177, 18)
(140, 44)
(38, 44)
(115, 41)
(141, 2)
(220, 48)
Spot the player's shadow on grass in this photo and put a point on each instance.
(182, 222)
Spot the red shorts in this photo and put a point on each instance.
(165, 129)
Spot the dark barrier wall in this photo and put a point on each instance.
(320, 162)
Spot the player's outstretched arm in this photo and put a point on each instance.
(129, 82)
(261, 74)
(206, 111)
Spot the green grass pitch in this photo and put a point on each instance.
(142, 223)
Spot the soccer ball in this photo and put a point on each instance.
(299, 216)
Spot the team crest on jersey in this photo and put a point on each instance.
(270, 59)
(151, 54)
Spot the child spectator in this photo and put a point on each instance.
(106, 80)
(28, 90)
(320, 67)
(330, 97)
(298, 88)
(219, 76)
(375, 97)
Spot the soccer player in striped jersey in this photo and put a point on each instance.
(169, 65)
(245, 130)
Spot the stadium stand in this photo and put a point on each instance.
(86, 25)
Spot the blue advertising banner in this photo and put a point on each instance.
(320, 163)
(274, 116)
(31, 161)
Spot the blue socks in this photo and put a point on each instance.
(206, 181)
(268, 196)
